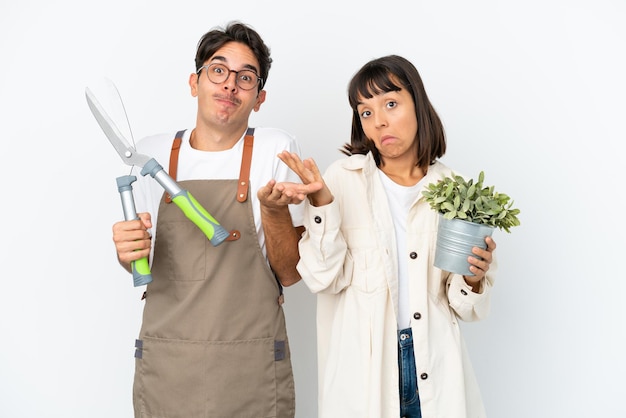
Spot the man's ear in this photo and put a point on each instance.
(260, 98)
(193, 83)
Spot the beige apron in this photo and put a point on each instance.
(213, 341)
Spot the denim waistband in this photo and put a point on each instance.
(405, 337)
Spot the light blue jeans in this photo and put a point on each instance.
(409, 395)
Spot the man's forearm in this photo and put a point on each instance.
(281, 243)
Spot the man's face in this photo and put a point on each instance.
(226, 102)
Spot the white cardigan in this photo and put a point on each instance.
(348, 257)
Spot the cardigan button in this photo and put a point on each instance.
(413, 255)
(463, 292)
(317, 220)
(417, 315)
(424, 376)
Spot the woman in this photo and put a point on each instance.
(389, 343)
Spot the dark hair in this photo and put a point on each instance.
(235, 32)
(381, 75)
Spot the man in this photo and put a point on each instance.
(213, 340)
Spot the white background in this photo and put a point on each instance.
(530, 92)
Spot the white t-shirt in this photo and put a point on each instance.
(401, 198)
(194, 165)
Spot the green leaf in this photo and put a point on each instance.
(457, 202)
(448, 206)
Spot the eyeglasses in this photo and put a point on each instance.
(218, 73)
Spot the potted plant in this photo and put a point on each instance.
(469, 212)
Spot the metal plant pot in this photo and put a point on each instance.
(455, 239)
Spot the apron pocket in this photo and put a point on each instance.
(172, 255)
(176, 378)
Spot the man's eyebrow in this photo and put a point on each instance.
(225, 61)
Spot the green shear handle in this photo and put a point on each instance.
(187, 203)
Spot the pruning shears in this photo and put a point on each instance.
(181, 197)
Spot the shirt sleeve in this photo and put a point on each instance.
(325, 265)
(470, 306)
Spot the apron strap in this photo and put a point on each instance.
(244, 173)
(174, 160)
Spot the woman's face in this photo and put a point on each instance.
(388, 119)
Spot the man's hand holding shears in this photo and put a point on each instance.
(132, 239)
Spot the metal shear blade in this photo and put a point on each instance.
(127, 152)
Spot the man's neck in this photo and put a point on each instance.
(205, 139)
